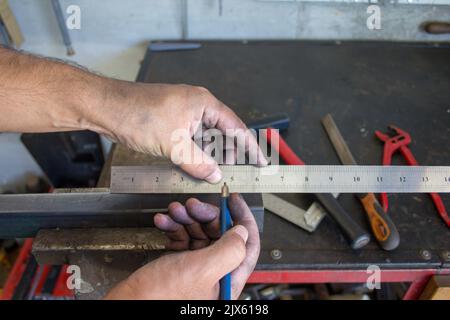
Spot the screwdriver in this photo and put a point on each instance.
(225, 225)
(382, 225)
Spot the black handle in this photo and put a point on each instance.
(356, 235)
(278, 121)
(382, 225)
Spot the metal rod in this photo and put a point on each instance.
(62, 27)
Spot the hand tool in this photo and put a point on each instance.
(306, 219)
(9, 28)
(63, 27)
(382, 225)
(225, 225)
(173, 46)
(278, 121)
(400, 142)
(357, 237)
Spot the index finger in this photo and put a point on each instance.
(223, 118)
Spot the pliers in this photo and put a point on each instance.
(400, 142)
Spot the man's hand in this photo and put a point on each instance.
(146, 118)
(39, 95)
(196, 274)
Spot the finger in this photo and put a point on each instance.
(228, 156)
(222, 117)
(242, 215)
(173, 230)
(198, 237)
(226, 254)
(207, 215)
(197, 163)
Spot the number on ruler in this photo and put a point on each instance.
(379, 179)
(402, 179)
(356, 179)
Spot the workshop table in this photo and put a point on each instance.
(365, 86)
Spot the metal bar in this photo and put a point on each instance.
(23, 215)
(416, 288)
(55, 246)
(340, 276)
(62, 27)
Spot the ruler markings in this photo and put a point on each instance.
(286, 179)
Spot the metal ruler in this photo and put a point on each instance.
(285, 179)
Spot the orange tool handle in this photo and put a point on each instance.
(382, 226)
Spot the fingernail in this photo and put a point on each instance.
(214, 177)
(242, 232)
(262, 161)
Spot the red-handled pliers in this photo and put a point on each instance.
(400, 142)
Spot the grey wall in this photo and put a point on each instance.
(114, 34)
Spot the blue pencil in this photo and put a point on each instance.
(225, 224)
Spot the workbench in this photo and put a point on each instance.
(365, 86)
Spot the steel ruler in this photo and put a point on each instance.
(285, 179)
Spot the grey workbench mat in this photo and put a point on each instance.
(366, 86)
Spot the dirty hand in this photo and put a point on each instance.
(149, 118)
(195, 274)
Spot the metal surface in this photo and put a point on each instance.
(285, 179)
(357, 82)
(23, 215)
(55, 246)
(305, 219)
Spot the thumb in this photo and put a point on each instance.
(197, 163)
(227, 253)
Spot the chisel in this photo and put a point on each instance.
(382, 225)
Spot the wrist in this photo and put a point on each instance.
(108, 110)
(78, 105)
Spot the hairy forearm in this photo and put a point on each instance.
(40, 95)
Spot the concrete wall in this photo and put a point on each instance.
(114, 34)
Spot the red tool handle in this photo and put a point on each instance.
(284, 150)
